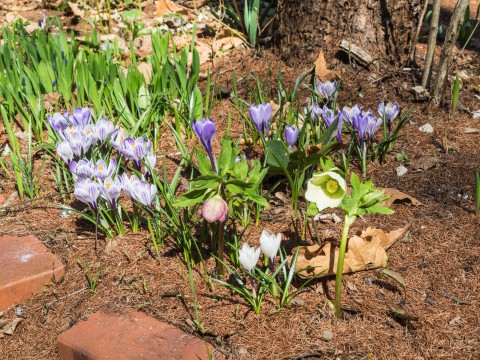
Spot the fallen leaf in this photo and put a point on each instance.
(397, 197)
(165, 7)
(402, 315)
(395, 276)
(226, 40)
(146, 70)
(366, 251)
(321, 70)
(77, 10)
(9, 328)
(424, 163)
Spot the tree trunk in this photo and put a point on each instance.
(383, 28)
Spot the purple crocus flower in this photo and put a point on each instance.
(87, 191)
(328, 116)
(103, 171)
(291, 135)
(83, 169)
(205, 130)
(117, 138)
(372, 126)
(144, 192)
(327, 89)
(390, 111)
(81, 116)
(135, 150)
(58, 122)
(128, 184)
(104, 129)
(150, 162)
(360, 123)
(314, 111)
(339, 128)
(65, 151)
(260, 115)
(110, 189)
(349, 113)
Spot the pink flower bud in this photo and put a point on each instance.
(215, 209)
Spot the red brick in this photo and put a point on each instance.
(26, 266)
(131, 336)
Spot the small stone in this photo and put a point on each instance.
(367, 280)
(401, 170)
(65, 213)
(327, 335)
(476, 114)
(427, 128)
(469, 130)
(420, 93)
(19, 311)
(298, 302)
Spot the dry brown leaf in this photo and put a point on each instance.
(146, 69)
(321, 71)
(165, 7)
(397, 197)
(424, 163)
(226, 40)
(365, 252)
(76, 9)
(9, 327)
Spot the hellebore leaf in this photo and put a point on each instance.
(204, 164)
(260, 200)
(238, 186)
(190, 198)
(276, 153)
(378, 209)
(240, 170)
(226, 159)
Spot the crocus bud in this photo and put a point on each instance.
(248, 257)
(261, 115)
(269, 243)
(390, 111)
(291, 135)
(215, 209)
(205, 130)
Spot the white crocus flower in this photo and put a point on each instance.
(248, 257)
(269, 243)
(326, 190)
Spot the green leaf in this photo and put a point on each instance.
(312, 209)
(238, 186)
(240, 170)
(394, 276)
(204, 164)
(378, 209)
(226, 159)
(191, 197)
(260, 200)
(276, 153)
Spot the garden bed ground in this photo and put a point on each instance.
(439, 258)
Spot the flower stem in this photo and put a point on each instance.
(135, 219)
(220, 249)
(364, 159)
(341, 257)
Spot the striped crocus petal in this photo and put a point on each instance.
(87, 191)
(144, 192)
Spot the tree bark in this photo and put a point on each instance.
(383, 28)
(450, 40)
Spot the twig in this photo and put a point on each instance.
(432, 42)
(453, 298)
(65, 297)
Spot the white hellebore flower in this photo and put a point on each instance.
(248, 257)
(326, 190)
(269, 243)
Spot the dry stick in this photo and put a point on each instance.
(450, 40)
(411, 56)
(432, 42)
